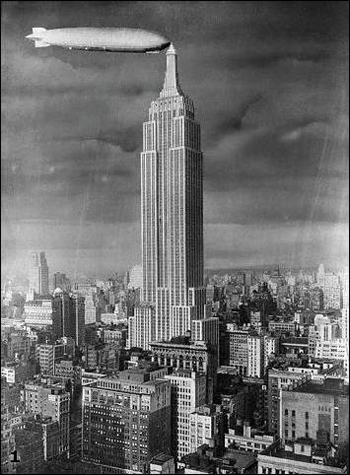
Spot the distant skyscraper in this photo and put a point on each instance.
(172, 210)
(331, 286)
(78, 311)
(68, 318)
(38, 273)
(320, 275)
(345, 323)
(61, 281)
(91, 309)
(135, 277)
(344, 280)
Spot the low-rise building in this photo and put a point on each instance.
(65, 370)
(90, 377)
(117, 335)
(206, 426)
(206, 461)
(30, 448)
(51, 438)
(301, 457)
(48, 356)
(38, 313)
(313, 406)
(8, 442)
(248, 439)
(280, 327)
(278, 380)
(53, 401)
(162, 464)
(18, 372)
(19, 345)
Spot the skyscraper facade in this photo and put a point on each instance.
(126, 420)
(172, 210)
(68, 316)
(50, 401)
(38, 273)
(188, 392)
(61, 281)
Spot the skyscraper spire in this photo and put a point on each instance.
(171, 85)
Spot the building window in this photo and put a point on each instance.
(286, 412)
(293, 413)
(306, 415)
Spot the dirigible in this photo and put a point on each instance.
(126, 40)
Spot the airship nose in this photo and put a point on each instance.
(30, 36)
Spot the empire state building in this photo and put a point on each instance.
(171, 217)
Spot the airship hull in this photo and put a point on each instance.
(126, 40)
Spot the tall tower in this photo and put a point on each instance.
(68, 316)
(38, 273)
(171, 215)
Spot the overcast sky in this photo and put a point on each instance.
(269, 81)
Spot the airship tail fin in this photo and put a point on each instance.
(41, 44)
(37, 37)
(37, 31)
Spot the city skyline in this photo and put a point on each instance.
(270, 84)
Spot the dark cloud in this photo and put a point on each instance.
(270, 85)
(230, 124)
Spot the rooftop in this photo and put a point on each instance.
(316, 452)
(161, 458)
(180, 342)
(296, 341)
(330, 386)
(243, 459)
(285, 454)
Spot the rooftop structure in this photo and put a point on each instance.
(301, 457)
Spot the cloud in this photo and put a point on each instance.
(270, 86)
